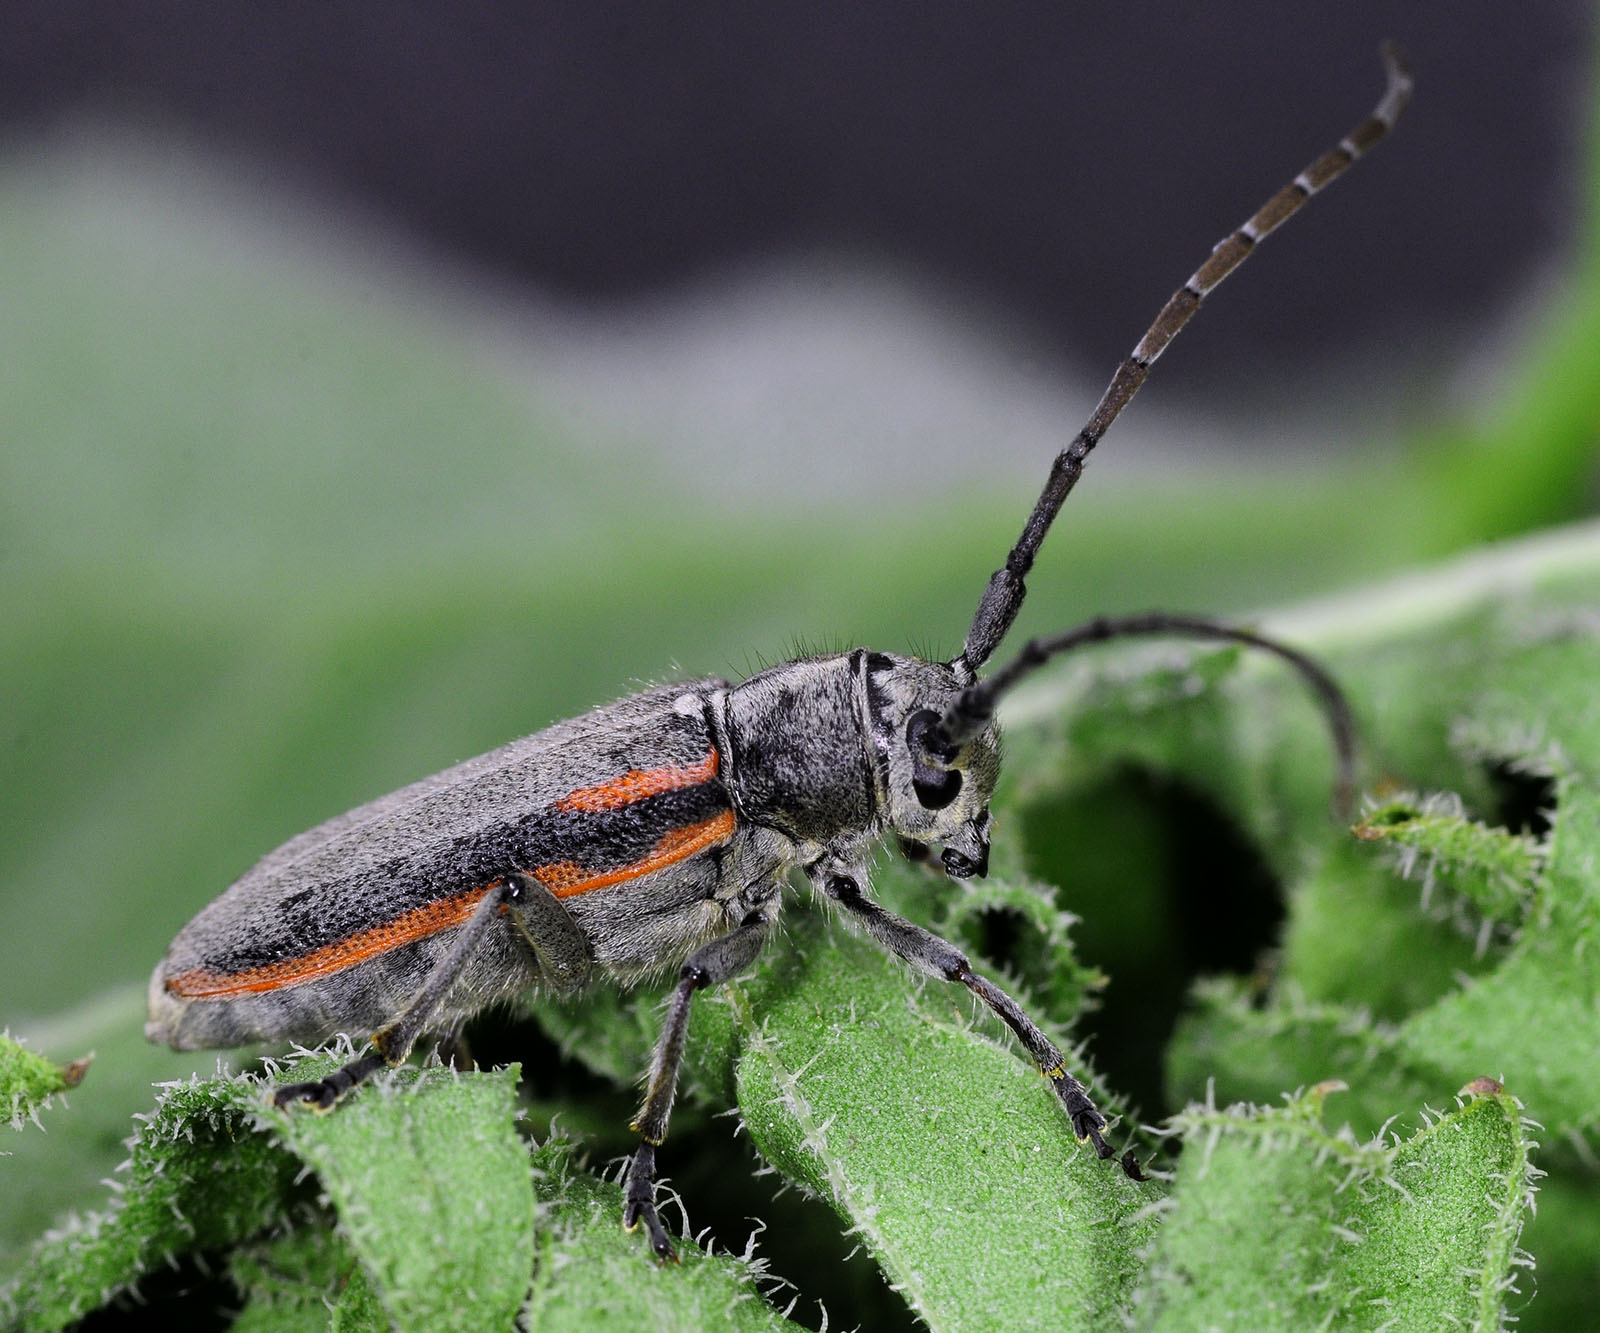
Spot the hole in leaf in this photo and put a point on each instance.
(1523, 801)
(193, 1295)
(1000, 933)
(590, 1105)
(1168, 890)
(841, 1285)
(711, 1168)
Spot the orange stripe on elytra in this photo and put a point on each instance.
(638, 783)
(566, 878)
(417, 924)
(562, 878)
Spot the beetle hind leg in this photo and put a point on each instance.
(392, 1044)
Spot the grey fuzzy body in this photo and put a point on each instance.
(792, 769)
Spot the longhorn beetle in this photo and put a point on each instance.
(659, 830)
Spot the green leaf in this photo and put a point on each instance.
(914, 1115)
(198, 1178)
(1275, 1223)
(422, 1214)
(1231, 1044)
(306, 1282)
(593, 1275)
(424, 1172)
(28, 1082)
(1491, 870)
(910, 1109)
(1036, 943)
(429, 1182)
(64, 1170)
(1516, 692)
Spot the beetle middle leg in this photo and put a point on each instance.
(709, 965)
(541, 921)
(938, 958)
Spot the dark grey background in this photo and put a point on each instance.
(1049, 163)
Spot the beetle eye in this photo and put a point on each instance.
(934, 785)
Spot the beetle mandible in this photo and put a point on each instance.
(659, 830)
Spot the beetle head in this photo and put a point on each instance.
(933, 792)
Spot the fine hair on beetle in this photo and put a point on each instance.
(659, 831)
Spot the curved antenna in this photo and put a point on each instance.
(974, 707)
(1002, 599)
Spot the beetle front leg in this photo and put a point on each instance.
(709, 965)
(938, 958)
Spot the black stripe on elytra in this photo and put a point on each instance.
(597, 840)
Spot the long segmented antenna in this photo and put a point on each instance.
(974, 707)
(1002, 599)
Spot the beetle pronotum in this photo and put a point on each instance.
(659, 830)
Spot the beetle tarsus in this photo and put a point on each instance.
(321, 1094)
(1087, 1121)
(639, 1204)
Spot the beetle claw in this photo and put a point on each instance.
(640, 1205)
(320, 1096)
